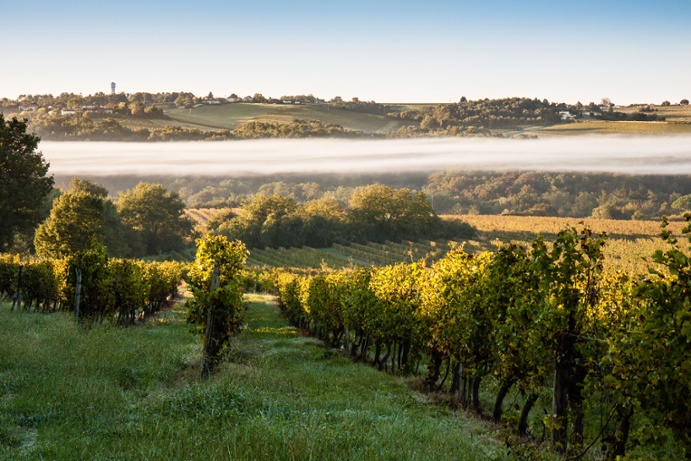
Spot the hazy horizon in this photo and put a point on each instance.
(616, 154)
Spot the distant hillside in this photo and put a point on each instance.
(186, 117)
(229, 116)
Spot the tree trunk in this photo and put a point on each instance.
(525, 412)
(433, 369)
(384, 360)
(621, 434)
(365, 346)
(462, 386)
(394, 357)
(446, 374)
(214, 335)
(406, 353)
(476, 393)
(560, 407)
(499, 402)
(575, 387)
(377, 354)
(456, 378)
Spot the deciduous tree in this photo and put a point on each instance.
(155, 219)
(24, 183)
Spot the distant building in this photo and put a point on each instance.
(566, 115)
(28, 108)
(112, 87)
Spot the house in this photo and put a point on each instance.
(29, 108)
(69, 112)
(566, 115)
(211, 102)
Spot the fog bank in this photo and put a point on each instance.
(636, 155)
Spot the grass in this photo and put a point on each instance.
(229, 116)
(606, 127)
(110, 393)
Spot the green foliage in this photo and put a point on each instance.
(154, 219)
(23, 181)
(383, 213)
(377, 213)
(217, 306)
(79, 218)
(484, 113)
(649, 355)
(530, 319)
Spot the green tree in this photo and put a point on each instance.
(263, 220)
(683, 203)
(23, 182)
(154, 219)
(79, 218)
(75, 223)
(381, 212)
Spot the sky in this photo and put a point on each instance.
(630, 51)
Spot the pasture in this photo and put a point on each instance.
(229, 116)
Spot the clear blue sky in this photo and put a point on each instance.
(388, 51)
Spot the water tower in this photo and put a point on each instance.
(112, 87)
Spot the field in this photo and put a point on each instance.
(134, 394)
(678, 121)
(228, 116)
(629, 247)
(606, 127)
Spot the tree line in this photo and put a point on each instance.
(374, 213)
(146, 220)
(582, 195)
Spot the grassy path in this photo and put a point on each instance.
(110, 393)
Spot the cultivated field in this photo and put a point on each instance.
(678, 121)
(228, 116)
(629, 247)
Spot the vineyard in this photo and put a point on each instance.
(350, 255)
(548, 329)
(91, 285)
(547, 323)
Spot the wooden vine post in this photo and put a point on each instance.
(18, 299)
(77, 292)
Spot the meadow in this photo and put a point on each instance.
(229, 116)
(69, 392)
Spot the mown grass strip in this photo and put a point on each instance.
(111, 393)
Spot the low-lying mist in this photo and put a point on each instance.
(635, 155)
